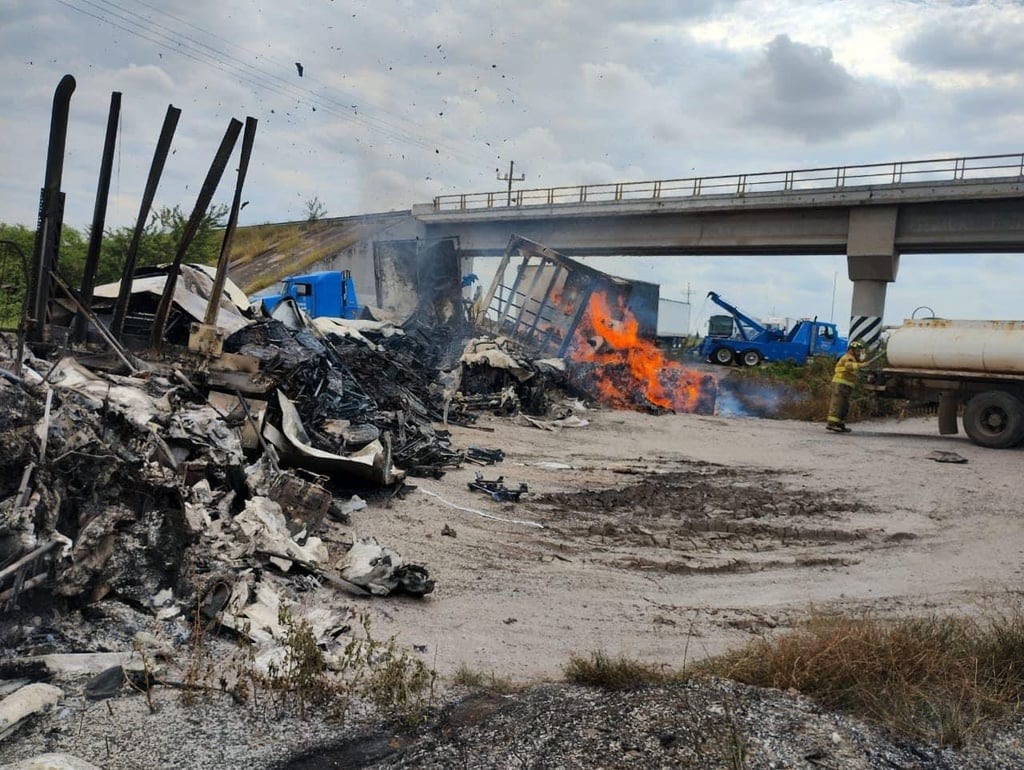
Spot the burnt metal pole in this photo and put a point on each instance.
(229, 231)
(156, 169)
(99, 218)
(499, 275)
(46, 248)
(220, 161)
(584, 304)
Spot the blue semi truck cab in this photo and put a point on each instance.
(748, 342)
(330, 293)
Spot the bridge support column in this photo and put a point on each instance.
(872, 263)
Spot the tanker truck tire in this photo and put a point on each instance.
(721, 356)
(994, 419)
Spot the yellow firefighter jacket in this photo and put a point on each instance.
(846, 369)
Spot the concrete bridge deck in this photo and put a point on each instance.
(945, 205)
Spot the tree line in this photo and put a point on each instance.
(158, 244)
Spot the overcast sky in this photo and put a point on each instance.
(402, 100)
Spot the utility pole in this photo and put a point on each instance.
(510, 179)
(832, 315)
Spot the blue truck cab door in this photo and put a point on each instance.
(303, 294)
(826, 340)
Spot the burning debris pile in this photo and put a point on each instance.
(628, 372)
(597, 322)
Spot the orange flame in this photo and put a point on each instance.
(662, 382)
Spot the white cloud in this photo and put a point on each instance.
(148, 77)
(402, 101)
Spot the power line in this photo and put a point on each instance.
(199, 55)
(152, 31)
(278, 82)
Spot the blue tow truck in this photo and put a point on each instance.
(330, 293)
(748, 342)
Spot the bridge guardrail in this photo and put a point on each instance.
(796, 180)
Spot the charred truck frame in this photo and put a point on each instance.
(549, 293)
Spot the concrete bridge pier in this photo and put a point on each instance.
(872, 263)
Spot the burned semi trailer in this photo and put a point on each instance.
(605, 327)
(541, 301)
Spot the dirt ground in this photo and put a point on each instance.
(669, 538)
(664, 538)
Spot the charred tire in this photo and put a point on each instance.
(750, 358)
(721, 356)
(994, 419)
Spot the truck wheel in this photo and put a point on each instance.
(750, 358)
(995, 420)
(722, 356)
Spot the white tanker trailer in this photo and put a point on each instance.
(974, 365)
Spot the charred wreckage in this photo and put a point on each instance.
(169, 448)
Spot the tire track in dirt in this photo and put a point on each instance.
(701, 518)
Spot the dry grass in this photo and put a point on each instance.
(943, 679)
(936, 678)
(478, 681)
(599, 670)
(263, 254)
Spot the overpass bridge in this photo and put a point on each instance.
(871, 213)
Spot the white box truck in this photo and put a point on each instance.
(673, 322)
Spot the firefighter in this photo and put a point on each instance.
(845, 377)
